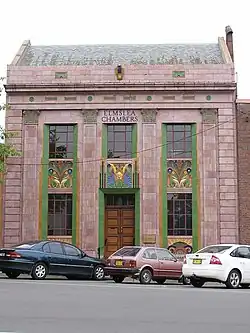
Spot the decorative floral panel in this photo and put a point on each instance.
(119, 174)
(60, 174)
(179, 174)
(180, 246)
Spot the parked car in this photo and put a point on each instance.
(145, 264)
(224, 263)
(41, 258)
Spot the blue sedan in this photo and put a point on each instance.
(40, 258)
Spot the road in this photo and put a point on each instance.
(59, 306)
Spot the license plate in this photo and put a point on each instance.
(118, 263)
(2, 254)
(197, 261)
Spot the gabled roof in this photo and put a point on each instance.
(144, 54)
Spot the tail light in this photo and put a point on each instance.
(13, 255)
(132, 263)
(185, 260)
(215, 261)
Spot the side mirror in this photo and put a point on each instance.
(83, 255)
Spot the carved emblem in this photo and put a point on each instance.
(149, 116)
(31, 117)
(209, 116)
(90, 116)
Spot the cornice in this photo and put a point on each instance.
(114, 87)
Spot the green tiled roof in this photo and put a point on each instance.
(84, 55)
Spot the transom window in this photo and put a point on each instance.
(179, 214)
(119, 141)
(179, 141)
(60, 215)
(61, 141)
(120, 200)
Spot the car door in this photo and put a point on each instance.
(242, 255)
(78, 263)
(169, 266)
(149, 257)
(57, 260)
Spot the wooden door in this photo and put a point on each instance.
(119, 229)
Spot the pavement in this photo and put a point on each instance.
(58, 305)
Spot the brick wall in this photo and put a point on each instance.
(243, 142)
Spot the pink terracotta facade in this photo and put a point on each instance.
(204, 96)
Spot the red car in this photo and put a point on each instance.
(145, 264)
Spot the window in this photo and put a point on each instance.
(60, 215)
(215, 249)
(179, 141)
(61, 141)
(120, 200)
(46, 248)
(179, 214)
(241, 252)
(119, 141)
(164, 254)
(71, 251)
(149, 254)
(56, 248)
(128, 251)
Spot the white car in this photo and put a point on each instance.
(224, 263)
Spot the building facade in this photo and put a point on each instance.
(122, 145)
(243, 145)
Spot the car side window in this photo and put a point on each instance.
(46, 248)
(164, 254)
(242, 252)
(149, 254)
(56, 248)
(71, 251)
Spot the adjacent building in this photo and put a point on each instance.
(123, 145)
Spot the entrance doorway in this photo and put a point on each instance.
(119, 222)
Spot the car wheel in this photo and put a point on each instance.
(12, 274)
(233, 280)
(185, 281)
(160, 281)
(99, 273)
(244, 286)
(118, 279)
(197, 283)
(39, 271)
(145, 276)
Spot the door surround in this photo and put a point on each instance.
(101, 222)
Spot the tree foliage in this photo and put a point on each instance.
(6, 148)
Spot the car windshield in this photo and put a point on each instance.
(215, 249)
(127, 251)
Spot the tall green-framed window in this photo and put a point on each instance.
(179, 165)
(59, 181)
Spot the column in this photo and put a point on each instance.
(209, 179)
(89, 182)
(31, 177)
(149, 175)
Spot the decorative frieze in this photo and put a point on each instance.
(31, 117)
(149, 116)
(90, 116)
(209, 116)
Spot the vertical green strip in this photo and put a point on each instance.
(104, 141)
(194, 190)
(137, 218)
(101, 201)
(45, 161)
(74, 186)
(134, 141)
(101, 222)
(164, 185)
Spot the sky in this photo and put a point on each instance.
(64, 22)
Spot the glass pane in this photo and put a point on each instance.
(70, 148)
(70, 128)
(119, 146)
(56, 248)
(61, 129)
(128, 251)
(119, 136)
(110, 136)
(179, 136)
(70, 137)
(119, 128)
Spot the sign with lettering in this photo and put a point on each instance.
(119, 116)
